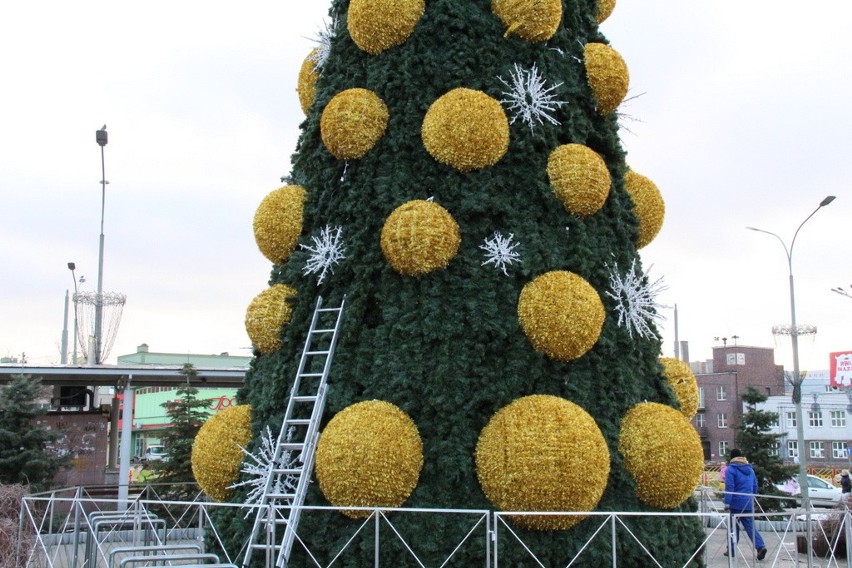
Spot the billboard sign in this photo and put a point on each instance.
(840, 369)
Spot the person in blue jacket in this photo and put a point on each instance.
(740, 489)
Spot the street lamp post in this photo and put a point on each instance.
(101, 139)
(842, 292)
(72, 267)
(794, 337)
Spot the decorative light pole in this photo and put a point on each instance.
(843, 292)
(794, 337)
(72, 267)
(101, 139)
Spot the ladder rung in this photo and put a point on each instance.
(323, 331)
(303, 375)
(291, 445)
(328, 310)
(305, 398)
(289, 496)
(298, 422)
(287, 470)
(259, 546)
(317, 352)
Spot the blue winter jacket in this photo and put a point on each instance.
(740, 479)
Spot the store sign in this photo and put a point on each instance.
(840, 369)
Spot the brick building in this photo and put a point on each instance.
(721, 382)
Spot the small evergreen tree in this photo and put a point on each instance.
(755, 439)
(187, 413)
(24, 455)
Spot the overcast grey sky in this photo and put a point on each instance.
(742, 119)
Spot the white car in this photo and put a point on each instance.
(820, 491)
(155, 453)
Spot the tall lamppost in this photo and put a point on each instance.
(794, 337)
(72, 267)
(101, 139)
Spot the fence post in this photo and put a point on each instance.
(614, 559)
(376, 551)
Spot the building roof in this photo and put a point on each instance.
(114, 375)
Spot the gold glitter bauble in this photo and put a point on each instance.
(662, 451)
(352, 122)
(648, 206)
(543, 453)
(377, 25)
(278, 222)
(307, 85)
(369, 455)
(216, 454)
(419, 237)
(266, 315)
(561, 314)
(605, 8)
(466, 129)
(607, 74)
(579, 177)
(683, 383)
(532, 20)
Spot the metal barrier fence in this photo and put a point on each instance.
(75, 529)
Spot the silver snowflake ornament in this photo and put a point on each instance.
(323, 41)
(326, 251)
(636, 302)
(260, 469)
(529, 98)
(500, 251)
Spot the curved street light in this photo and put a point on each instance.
(794, 337)
(843, 292)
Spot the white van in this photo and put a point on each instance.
(155, 453)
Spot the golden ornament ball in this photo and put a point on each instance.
(352, 122)
(419, 237)
(543, 453)
(306, 88)
(662, 451)
(216, 454)
(579, 177)
(267, 313)
(605, 8)
(532, 20)
(607, 75)
(377, 25)
(278, 222)
(369, 455)
(561, 314)
(466, 129)
(683, 383)
(648, 206)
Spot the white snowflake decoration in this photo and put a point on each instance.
(323, 40)
(636, 301)
(529, 98)
(500, 251)
(260, 468)
(325, 253)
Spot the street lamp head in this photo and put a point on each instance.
(826, 201)
(72, 266)
(101, 137)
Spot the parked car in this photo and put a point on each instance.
(821, 492)
(155, 453)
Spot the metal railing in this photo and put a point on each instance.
(77, 528)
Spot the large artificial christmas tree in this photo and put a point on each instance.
(459, 180)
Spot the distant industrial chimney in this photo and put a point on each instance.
(684, 351)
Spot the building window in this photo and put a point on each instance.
(838, 450)
(816, 450)
(775, 449)
(776, 423)
(792, 449)
(721, 394)
(815, 419)
(722, 420)
(838, 419)
(700, 397)
(791, 419)
(699, 420)
(723, 449)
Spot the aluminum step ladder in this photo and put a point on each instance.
(287, 485)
